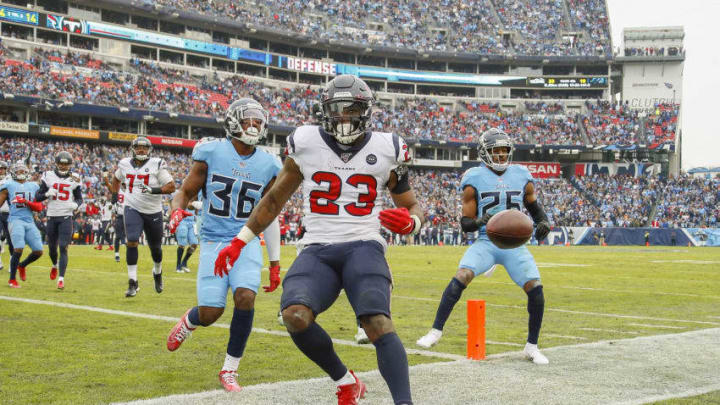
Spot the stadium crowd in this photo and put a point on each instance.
(78, 77)
(596, 200)
(448, 25)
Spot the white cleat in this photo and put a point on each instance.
(533, 353)
(361, 337)
(280, 319)
(186, 269)
(430, 339)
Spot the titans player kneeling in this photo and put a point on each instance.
(147, 179)
(63, 192)
(233, 175)
(494, 186)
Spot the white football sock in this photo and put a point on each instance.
(61, 279)
(231, 363)
(157, 268)
(347, 379)
(132, 271)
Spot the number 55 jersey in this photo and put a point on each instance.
(234, 184)
(341, 184)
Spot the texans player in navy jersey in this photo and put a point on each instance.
(487, 189)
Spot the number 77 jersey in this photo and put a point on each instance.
(340, 186)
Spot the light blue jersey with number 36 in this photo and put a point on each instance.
(495, 192)
(233, 187)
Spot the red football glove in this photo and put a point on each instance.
(35, 206)
(227, 257)
(274, 279)
(176, 217)
(397, 220)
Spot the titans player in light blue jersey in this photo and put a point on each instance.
(20, 193)
(233, 175)
(186, 238)
(494, 186)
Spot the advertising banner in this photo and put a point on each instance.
(18, 15)
(14, 126)
(121, 136)
(308, 65)
(67, 24)
(176, 142)
(613, 169)
(74, 132)
(542, 170)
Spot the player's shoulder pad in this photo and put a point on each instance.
(401, 149)
(301, 138)
(204, 149)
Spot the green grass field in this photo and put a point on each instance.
(53, 354)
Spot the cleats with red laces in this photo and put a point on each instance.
(179, 333)
(350, 394)
(61, 285)
(228, 378)
(21, 272)
(53, 273)
(13, 284)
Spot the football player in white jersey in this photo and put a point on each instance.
(341, 166)
(147, 179)
(4, 212)
(106, 213)
(64, 195)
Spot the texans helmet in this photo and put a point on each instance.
(141, 141)
(346, 108)
(63, 161)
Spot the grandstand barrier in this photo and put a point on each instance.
(633, 236)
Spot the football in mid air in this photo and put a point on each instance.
(509, 229)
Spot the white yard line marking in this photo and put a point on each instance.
(567, 311)
(492, 342)
(343, 342)
(687, 261)
(606, 363)
(563, 265)
(645, 325)
(610, 330)
(563, 336)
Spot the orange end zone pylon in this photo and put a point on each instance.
(476, 329)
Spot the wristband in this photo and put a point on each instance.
(246, 234)
(418, 224)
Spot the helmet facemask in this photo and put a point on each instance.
(20, 172)
(496, 150)
(141, 156)
(248, 114)
(346, 119)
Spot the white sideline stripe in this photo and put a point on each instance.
(426, 353)
(684, 394)
(687, 261)
(567, 311)
(563, 265)
(714, 317)
(610, 330)
(563, 336)
(453, 384)
(492, 342)
(645, 325)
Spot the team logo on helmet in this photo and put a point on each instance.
(346, 108)
(246, 109)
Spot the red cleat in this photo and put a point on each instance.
(350, 394)
(229, 381)
(13, 284)
(110, 248)
(21, 271)
(53, 273)
(61, 285)
(179, 333)
(98, 247)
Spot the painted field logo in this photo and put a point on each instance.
(371, 159)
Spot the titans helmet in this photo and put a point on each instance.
(19, 172)
(141, 141)
(346, 108)
(243, 109)
(491, 139)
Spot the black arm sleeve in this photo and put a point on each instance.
(40, 195)
(536, 212)
(468, 224)
(114, 198)
(77, 196)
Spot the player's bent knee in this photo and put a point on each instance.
(244, 299)
(376, 325)
(530, 285)
(297, 318)
(536, 298)
(464, 275)
(208, 315)
(18, 250)
(38, 253)
(132, 244)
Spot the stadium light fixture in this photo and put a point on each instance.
(8, 96)
(219, 120)
(148, 118)
(124, 109)
(173, 115)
